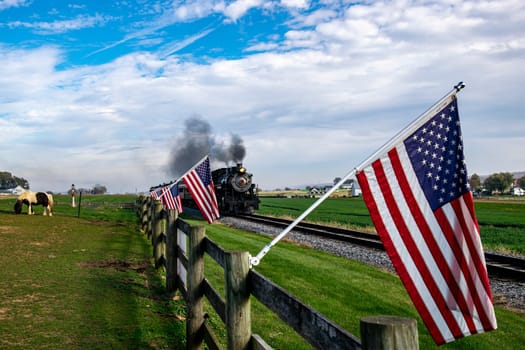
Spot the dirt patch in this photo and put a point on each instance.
(7, 229)
(39, 244)
(4, 313)
(119, 265)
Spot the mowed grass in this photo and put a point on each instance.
(341, 289)
(502, 223)
(82, 283)
(88, 283)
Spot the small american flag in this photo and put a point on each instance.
(156, 194)
(202, 189)
(421, 205)
(170, 198)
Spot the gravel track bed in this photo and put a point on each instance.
(508, 294)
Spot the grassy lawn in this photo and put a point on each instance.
(88, 283)
(83, 283)
(344, 291)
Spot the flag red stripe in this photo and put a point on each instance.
(472, 242)
(401, 269)
(203, 196)
(477, 268)
(450, 274)
(197, 191)
(469, 276)
(413, 249)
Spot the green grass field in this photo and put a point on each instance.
(502, 223)
(88, 282)
(344, 291)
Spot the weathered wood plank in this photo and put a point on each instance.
(215, 299)
(315, 328)
(215, 251)
(258, 343)
(183, 226)
(209, 337)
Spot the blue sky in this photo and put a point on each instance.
(99, 92)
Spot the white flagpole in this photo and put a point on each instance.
(410, 128)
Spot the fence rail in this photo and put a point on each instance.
(180, 247)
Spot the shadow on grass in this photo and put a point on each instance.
(129, 296)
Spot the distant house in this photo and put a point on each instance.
(517, 191)
(18, 190)
(315, 192)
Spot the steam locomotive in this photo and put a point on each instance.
(235, 192)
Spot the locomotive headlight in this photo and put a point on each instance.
(242, 170)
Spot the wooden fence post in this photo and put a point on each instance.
(171, 252)
(158, 236)
(238, 314)
(144, 214)
(195, 312)
(389, 333)
(151, 213)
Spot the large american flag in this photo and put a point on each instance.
(421, 205)
(202, 189)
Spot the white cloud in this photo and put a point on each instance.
(196, 9)
(57, 27)
(302, 4)
(263, 47)
(312, 105)
(238, 8)
(4, 4)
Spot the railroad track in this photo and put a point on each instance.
(502, 266)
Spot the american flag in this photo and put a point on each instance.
(202, 190)
(170, 198)
(156, 194)
(423, 210)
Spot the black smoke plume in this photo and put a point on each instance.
(196, 141)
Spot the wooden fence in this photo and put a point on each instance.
(181, 248)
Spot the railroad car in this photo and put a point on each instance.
(234, 189)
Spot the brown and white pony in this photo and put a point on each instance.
(34, 198)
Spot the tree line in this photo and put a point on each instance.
(8, 181)
(495, 183)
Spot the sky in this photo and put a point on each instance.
(104, 92)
